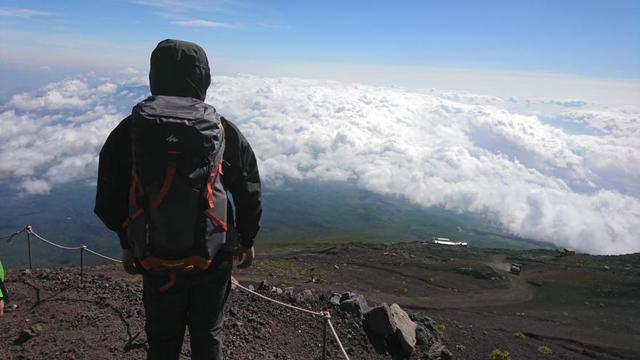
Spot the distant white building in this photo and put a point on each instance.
(440, 239)
(447, 241)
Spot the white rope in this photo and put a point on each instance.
(9, 238)
(103, 256)
(54, 244)
(335, 335)
(324, 314)
(315, 313)
(30, 231)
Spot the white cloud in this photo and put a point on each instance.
(21, 12)
(563, 171)
(201, 23)
(35, 187)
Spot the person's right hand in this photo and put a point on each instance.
(245, 256)
(128, 262)
(1, 308)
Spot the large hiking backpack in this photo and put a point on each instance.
(177, 202)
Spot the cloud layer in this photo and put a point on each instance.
(557, 170)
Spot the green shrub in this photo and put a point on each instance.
(520, 335)
(460, 347)
(498, 354)
(545, 350)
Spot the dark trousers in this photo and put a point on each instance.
(196, 301)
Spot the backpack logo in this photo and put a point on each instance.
(172, 139)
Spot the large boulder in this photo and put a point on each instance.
(380, 321)
(392, 324)
(405, 328)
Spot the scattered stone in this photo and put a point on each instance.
(276, 290)
(354, 303)
(264, 285)
(535, 282)
(335, 299)
(307, 295)
(28, 334)
(289, 291)
(426, 336)
(251, 287)
(606, 268)
(439, 352)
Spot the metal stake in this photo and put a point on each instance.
(29, 245)
(82, 265)
(324, 339)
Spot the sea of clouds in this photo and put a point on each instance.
(564, 171)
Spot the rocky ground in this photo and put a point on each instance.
(464, 302)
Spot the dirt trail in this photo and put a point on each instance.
(517, 291)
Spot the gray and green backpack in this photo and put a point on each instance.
(177, 201)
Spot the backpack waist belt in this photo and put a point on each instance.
(185, 265)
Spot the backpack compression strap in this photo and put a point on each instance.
(169, 174)
(135, 192)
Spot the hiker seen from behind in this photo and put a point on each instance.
(164, 176)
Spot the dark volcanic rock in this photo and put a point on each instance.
(335, 299)
(354, 303)
(264, 285)
(439, 352)
(379, 321)
(27, 334)
(392, 324)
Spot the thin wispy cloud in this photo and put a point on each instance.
(22, 12)
(177, 6)
(200, 23)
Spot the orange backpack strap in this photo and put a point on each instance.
(169, 174)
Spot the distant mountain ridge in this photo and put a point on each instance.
(296, 215)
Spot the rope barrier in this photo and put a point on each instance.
(324, 314)
(54, 244)
(29, 230)
(103, 256)
(9, 238)
(335, 335)
(316, 313)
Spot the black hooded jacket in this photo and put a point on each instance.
(179, 68)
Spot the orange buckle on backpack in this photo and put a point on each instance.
(185, 265)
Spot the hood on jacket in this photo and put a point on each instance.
(179, 68)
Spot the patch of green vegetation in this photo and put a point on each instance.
(460, 348)
(520, 335)
(545, 350)
(441, 328)
(499, 354)
(283, 267)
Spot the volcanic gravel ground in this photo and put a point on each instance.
(580, 307)
(104, 319)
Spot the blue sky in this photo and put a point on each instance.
(591, 38)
